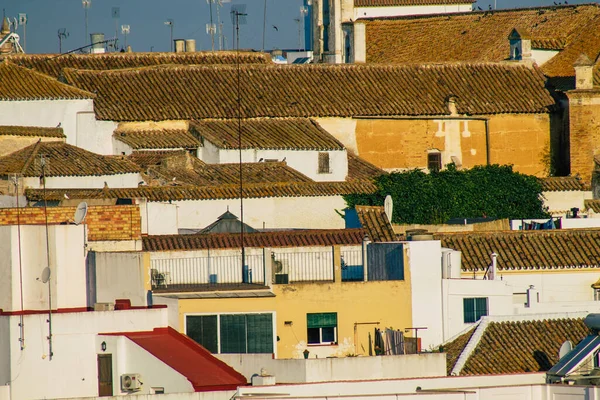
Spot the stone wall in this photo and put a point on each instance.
(584, 126)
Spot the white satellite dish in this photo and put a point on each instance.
(565, 349)
(388, 207)
(80, 213)
(46, 275)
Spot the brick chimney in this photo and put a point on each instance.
(520, 44)
(584, 73)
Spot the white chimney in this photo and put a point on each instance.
(493, 267)
(520, 45)
(584, 73)
(97, 48)
(451, 104)
(533, 297)
(190, 45)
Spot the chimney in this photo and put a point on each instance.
(584, 73)
(451, 104)
(179, 45)
(533, 297)
(520, 45)
(190, 45)
(97, 48)
(493, 267)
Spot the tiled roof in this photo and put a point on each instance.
(593, 205)
(523, 346)
(359, 168)
(20, 83)
(149, 158)
(268, 133)
(454, 348)
(294, 238)
(157, 139)
(483, 36)
(204, 371)
(63, 160)
(562, 183)
(396, 3)
(376, 223)
(198, 92)
(182, 193)
(35, 131)
(53, 65)
(523, 250)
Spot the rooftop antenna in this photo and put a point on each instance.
(47, 272)
(264, 25)
(210, 27)
(303, 14)
(171, 23)
(220, 36)
(116, 14)
(86, 6)
(238, 16)
(23, 23)
(62, 34)
(125, 29)
(298, 20)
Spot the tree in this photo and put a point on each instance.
(434, 198)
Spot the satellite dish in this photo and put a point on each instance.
(565, 349)
(80, 213)
(388, 206)
(46, 275)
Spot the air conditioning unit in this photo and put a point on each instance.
(104, 307)
(131, 382)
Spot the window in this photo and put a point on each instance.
(326, 26)
(474, 309)
(232, 333)
(324, 163)
(596, 294)
(322, 328)
(434, 161)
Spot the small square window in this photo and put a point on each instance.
(434, 161)
(474, 309)
(322, 328)
(324, 163)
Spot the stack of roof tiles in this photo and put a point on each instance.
(562, 183)
(157, 139)
(31, 131)
(483, 36)
(199, 92)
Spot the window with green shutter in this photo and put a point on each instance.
(321, 328)
(203, 329)
(474, 309)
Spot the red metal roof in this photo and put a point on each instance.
(204, 371)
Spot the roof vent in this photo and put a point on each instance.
(97, 40)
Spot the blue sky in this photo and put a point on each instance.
(146, 20)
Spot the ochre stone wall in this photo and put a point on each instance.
(10, 144)
(584, 127)
(103, 222)
(519, 139)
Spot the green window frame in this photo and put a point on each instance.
(232, 333)
(474, 308)
(321, 328)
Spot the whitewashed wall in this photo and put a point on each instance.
(121, 275)
(120, 148)
(46, 113)
(560, 202)
(272, 212)
(66, 262)
(72, 372)
(158, 218)
(499, 294)
(343, 129)
(118, 181)
(94, 135)
(424, 262)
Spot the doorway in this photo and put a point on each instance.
(105, 375)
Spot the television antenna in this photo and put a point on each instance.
(23, 23)
(116, 14)
(86, 6)
(125, 29)
(220, 36)
(62, 34)
(171, 23)
(303, 14)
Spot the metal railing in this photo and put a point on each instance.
(352, 263)
(306, 266)
(195, 271)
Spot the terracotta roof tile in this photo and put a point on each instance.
(149, 158)
(198, 92)
(268, 133)
(524, 346)
(395, 3)
(182, 193)
(562, 183)
(454, 348)
(593, 205)
(295, 238)
(483, 36)
(52, 64)
(35, 131)
(20, 83)
(157, 139)
(63, 160)
(376, 223)
(522, 250)
(359, 168)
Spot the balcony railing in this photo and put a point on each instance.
(197, 271)
(306, 266)
(352, 265)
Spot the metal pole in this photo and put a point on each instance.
(239, 101)
(212, 32)
(172, 23)
(50, 354)
(264, 26)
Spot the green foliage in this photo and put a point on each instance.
(434, 198)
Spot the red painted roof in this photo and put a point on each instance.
(198, 365)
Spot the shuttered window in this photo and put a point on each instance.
(474, 309)
(434, 161)
(237, 333)
(321, 328)
(324, 163)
